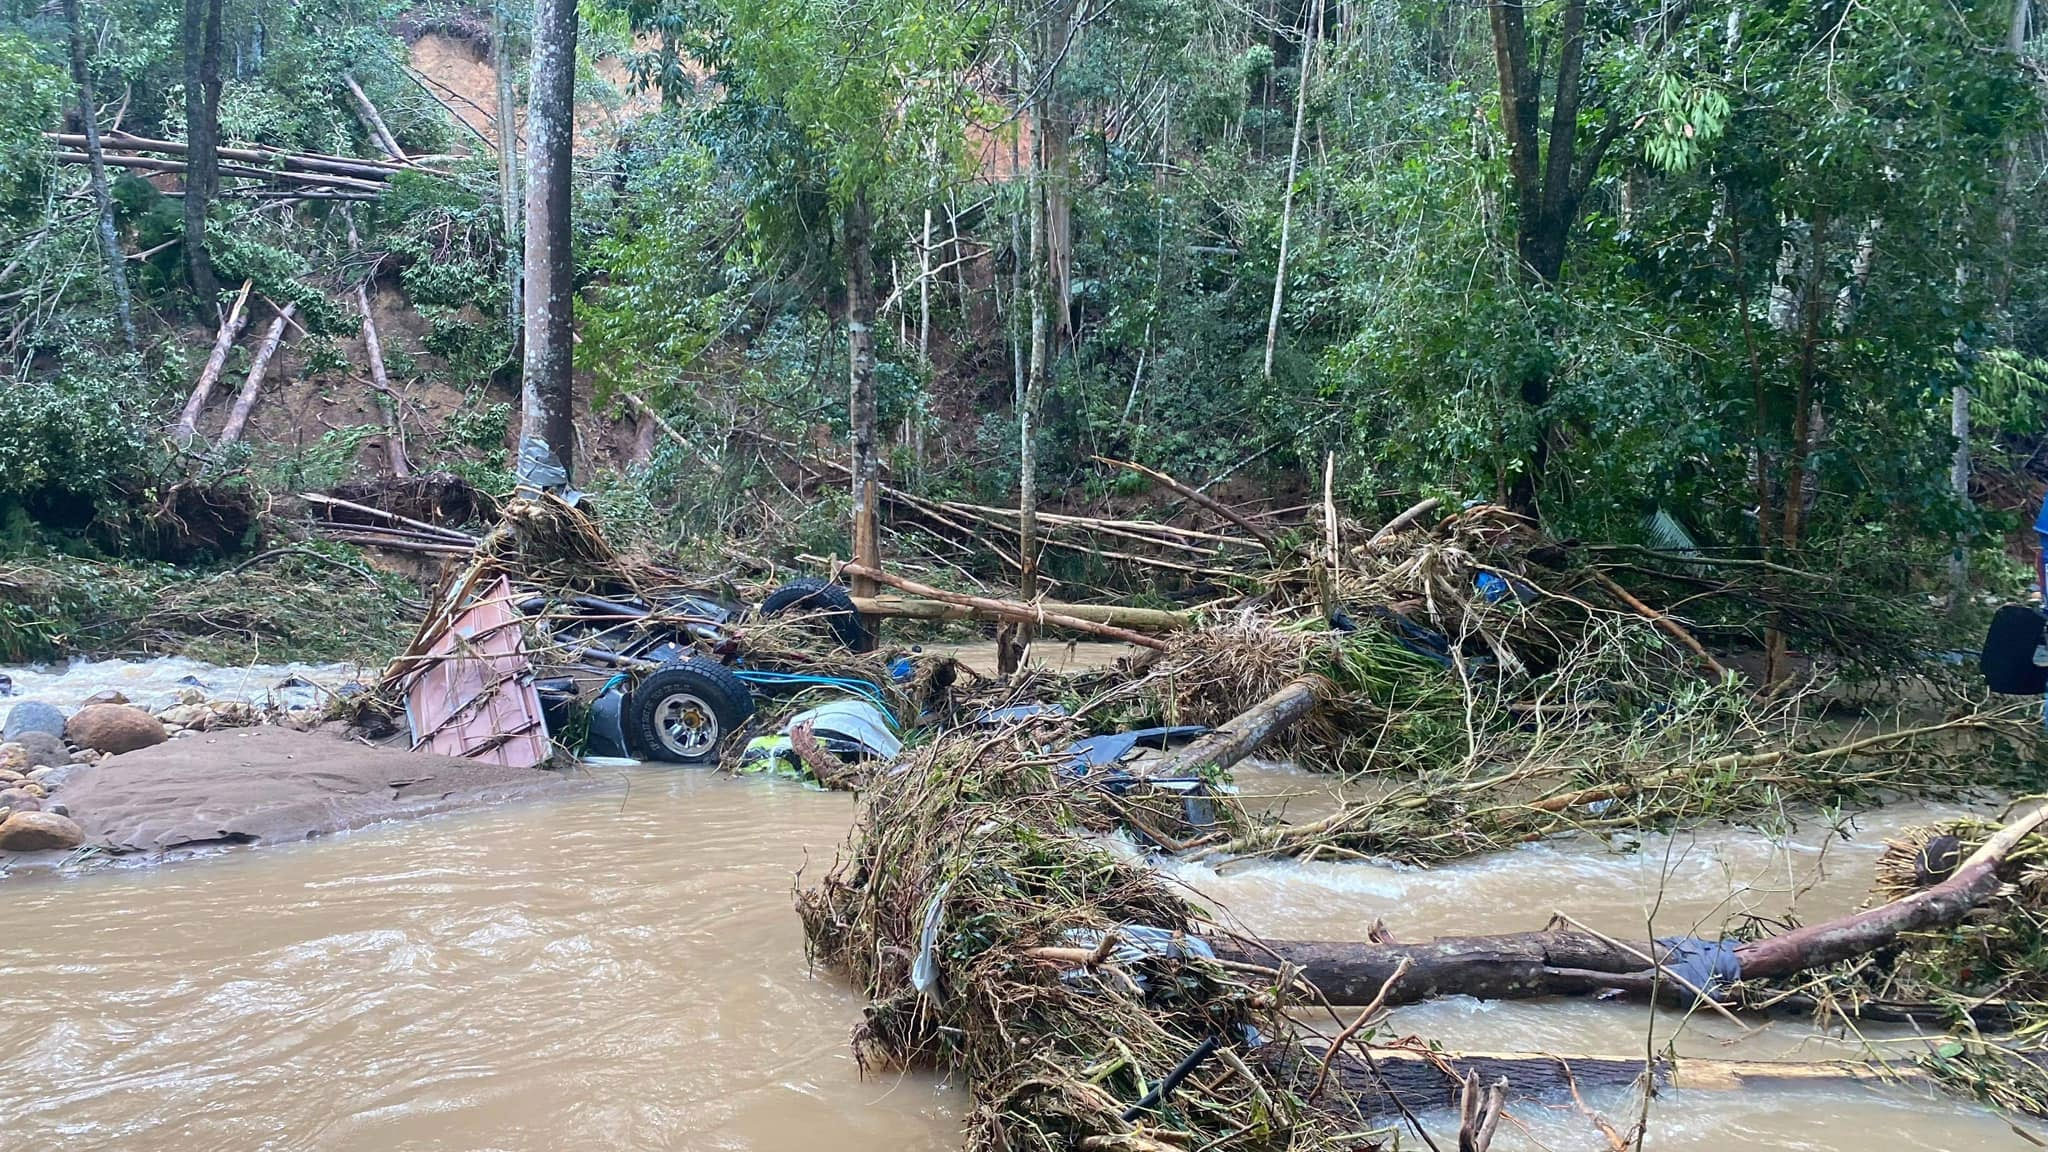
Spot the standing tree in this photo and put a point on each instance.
(202, 36)
(830, 108)
(546, 389)
(102, 196)
(504, 59)
(1549, 174)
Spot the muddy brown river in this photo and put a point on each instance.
(622, 969)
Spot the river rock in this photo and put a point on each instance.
(32, 716)
(44, 748)
(35, 790)
(107, 696)
(114, 728)
(39, 832)
(41, 773)
(187, 716)
(14, 756)
(11, 776)
(19, 800)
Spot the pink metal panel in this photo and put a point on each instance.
(475, 697)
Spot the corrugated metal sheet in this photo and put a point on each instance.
(475, 698)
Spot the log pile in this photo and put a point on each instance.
(307, 175)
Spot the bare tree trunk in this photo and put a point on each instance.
(1308, 51)
(245, 401)
(860, 356)
(373, 121)
(508, 165)
(548, 385)
(373, 351)
(102, 196)
(202, 35)
(230, 327)
(1036, 288)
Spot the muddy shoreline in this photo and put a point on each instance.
(268, 785)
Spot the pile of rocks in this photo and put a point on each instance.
(32, 763)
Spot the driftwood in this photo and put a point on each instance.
(452, 535)
(1004, 609)
(1415, 512)
(1244, 733)
(1137, 619)
(1668, 625)
(187, 428)
(245, 401)
(1567, 961)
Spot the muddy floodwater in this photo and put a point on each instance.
(622, 969)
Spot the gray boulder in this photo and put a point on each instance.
(32, 716)
(44, 748)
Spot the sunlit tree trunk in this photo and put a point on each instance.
(102, 195)
(202, 43)
(547, 385)
(856, 239)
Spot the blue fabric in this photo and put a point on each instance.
(1103, 751)
(2041, 520)
(1707, 965)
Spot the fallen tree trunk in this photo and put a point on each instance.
(261, 156)
(373, 351)
(157, 164)
(1400, 1080)
(1137, 619)
(1004, 609)
(245, 401)
(187, 428)
(1562, 961)
(1244, 733)
(373, 121)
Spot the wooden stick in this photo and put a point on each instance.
(1330, 542)
(1006, 609)
(1202, 498)
(1660, 620)
(187, 428)
(1420, 509)
(1351, 1029)
(245, 402)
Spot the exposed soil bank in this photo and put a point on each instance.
(268, 785)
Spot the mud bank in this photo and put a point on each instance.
(270, 785)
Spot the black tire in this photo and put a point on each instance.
(682, 712)
(831, 603)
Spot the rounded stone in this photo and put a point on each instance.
(39, 832)
(114, 728)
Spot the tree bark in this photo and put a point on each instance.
(507, 127)
(202, 37)
(856, 236)
(245, 401)
(102, 195)
(1004, 609)
(187, 428)
(1308, 51)
(547, 387)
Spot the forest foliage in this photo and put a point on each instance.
(1716, 269)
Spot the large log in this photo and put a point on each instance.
(1244, 733)
(1561, 961)
(1404, 1080)
(1004, 609)
(1511, 966)
(1137, 619)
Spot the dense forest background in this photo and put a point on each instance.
(1756, 278)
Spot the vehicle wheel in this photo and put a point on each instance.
(682, 712)
(833, 604)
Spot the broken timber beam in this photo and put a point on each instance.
(1246, 732)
